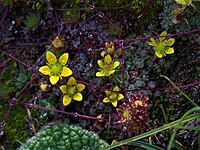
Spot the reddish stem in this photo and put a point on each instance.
(123, 60)
(144, 14)
(15, 59)
(100, 13)
(4, 16)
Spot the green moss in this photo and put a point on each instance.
(14, 128)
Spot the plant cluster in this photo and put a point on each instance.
(104, 77)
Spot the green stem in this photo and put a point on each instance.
(189, 128)
(179, 90)
(179, 123)
(149, 133)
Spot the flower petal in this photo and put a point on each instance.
(51, 58)
(158, 54)
(100, 74)
(66, 72)
(108, 59)
(111, 72)
(116, 64)
(170, 42)
(80, 87)
(45, 70)
(63, 88)
(164, 33)
(78, 97)
(103, 53)
(100, 63)
(64, 58)
(71, 81)
(66, 100)
(169, 51)
(153, 42)
(54, 79)
(107, 92)
(106, 100)
(116, 88)
(114, 103)
(120, 96)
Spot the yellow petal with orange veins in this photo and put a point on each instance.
(120, 96)
(71, 81)
(80, 87)
(158, 54)
(116, 64)
(51, 58)
(114, 103)
(100, 63)
(63, 88)
(108, 59)
(45, 70)
(100, 74)
(54, 79)
(78, 97)
(116, 88)
(66, 100)
(170, 42)
(169, 51)
(106, 100)
(66, 72)
(64, 58)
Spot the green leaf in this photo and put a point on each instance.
(146, 145)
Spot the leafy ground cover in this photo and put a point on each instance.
(106, 66)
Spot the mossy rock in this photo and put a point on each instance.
(64, 136)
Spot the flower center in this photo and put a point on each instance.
(56, 69)
(138, 102)
(126, 113)
(161, 46)
(107, 67)
(113, 96)
(71, 90)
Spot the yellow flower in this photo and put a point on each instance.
(72, 91)
(107, 66)
(162, 45)
(113, 97)
(56, 68)
(57, 42)
(109, 49)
